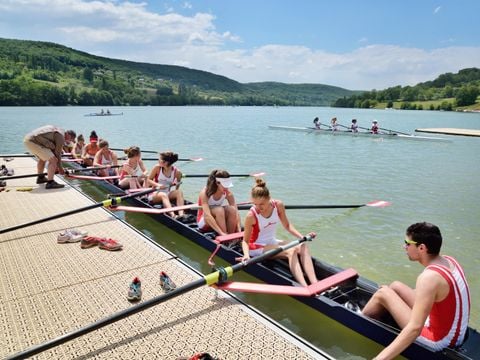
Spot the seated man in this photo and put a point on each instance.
(438, 309)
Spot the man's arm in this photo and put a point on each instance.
(427, 287)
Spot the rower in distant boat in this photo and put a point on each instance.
(354, 126)
(108, 112)
(437, 311)
(375, 127)
(219, 210)
(105, 157)
(317, 123)
(333, 124)
(260, 233)
(90, 150)
(168, 178)
(133, 172)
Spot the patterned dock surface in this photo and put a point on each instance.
(49, 289)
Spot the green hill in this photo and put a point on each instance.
(42, 73)
(447, 92)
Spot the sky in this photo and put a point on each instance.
(354, 44)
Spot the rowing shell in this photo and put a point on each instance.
(338, 288)
(358, 134)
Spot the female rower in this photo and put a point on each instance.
(78, 147)
(219, 210)
(354, 126)
(133, 172)
(105, 157)
(167, 178)
(333, 124)
(317, 123)
(90, 150)
(260, 233)
(375, 127)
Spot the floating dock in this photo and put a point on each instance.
(451, 131)
(49, 289)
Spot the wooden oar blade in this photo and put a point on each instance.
(378, 203)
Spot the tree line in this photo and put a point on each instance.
(463, 88)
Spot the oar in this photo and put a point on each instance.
(346, 127)
(21, 176)
(156, 159)
(378, 203)
(394, 131)
(72, 171)
(94, 177)
(146, 210)
(26, 155)
(234, 175)
(210, 279)
(106, 203)
(143, 151)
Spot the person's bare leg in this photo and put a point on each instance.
(232, 219)
(52, 167)
(307, 263)
(387, 300)
(293, 262)
(218, 213)
(40, 166)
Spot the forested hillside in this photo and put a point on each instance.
(447, 92)
(41, 73)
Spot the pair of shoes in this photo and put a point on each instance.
(41, 179)
(166, 283)
(53, 185)
(103, 243)
(135, 290)
(71, 236)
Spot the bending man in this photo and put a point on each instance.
(47, 144)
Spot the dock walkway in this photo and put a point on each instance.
(49, 289)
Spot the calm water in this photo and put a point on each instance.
(436, 182)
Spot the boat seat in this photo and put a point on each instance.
(310, 290)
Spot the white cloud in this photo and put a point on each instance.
(126, 30)
(437, 9)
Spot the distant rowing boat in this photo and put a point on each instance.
(383, 135)
(104, 114)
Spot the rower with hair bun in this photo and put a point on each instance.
(260, 233)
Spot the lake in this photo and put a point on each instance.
(425, 181)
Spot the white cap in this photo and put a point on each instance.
(226, 182)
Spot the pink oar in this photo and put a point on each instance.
(88, 177)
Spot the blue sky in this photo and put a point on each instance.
(353, 44)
